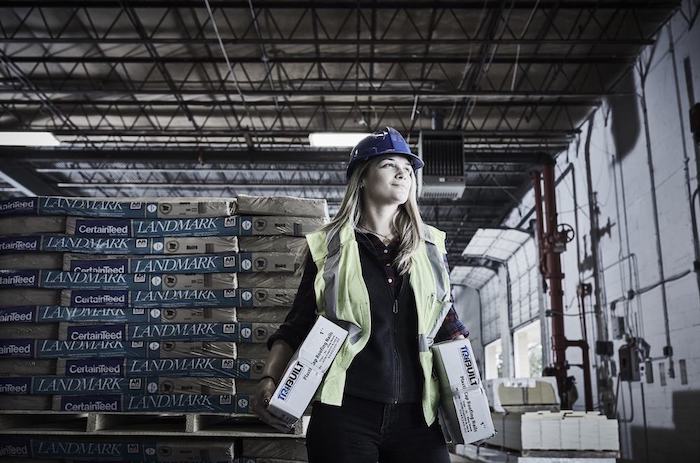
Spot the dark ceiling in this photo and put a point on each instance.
(217, 98)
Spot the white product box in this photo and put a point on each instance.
(306, 369)
(551, 432)
(608, 434)
(464, 407)
(531, 431)
(569, 430)
(588, 431)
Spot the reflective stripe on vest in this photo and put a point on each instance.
(330, 279)
(442, 291)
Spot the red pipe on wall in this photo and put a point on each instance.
(549, 239)
(556, 293)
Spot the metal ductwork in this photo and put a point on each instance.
(443, 175)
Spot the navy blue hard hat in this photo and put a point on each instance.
(380, 143)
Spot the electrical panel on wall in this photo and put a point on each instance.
(443, 175)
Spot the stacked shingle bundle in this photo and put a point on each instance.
(131, 449)
(144, 305)
(149, 449)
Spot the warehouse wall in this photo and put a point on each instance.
(619, 151)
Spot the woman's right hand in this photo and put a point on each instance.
(263, 393)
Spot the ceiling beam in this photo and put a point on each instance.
(201, 156)
(544, 134)
(226, 168)
(104, 41)
(63, 90)
(240, 184)
(611, 58)
(352, 5)
(408, 105)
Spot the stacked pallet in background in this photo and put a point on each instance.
(145, 305)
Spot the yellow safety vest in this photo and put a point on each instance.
(342, 297)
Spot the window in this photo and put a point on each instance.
(527, 349)
(493, 354)
(491, 300)
(524, 280)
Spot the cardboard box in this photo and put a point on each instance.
(508, 430)
(305, 370)
(570, 430)
(465, 413)
(101, 207)
(530, 431)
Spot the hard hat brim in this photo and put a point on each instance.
(416, 162)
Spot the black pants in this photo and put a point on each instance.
(364, 431)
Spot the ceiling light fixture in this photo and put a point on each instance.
(335, 139)
(28, 139)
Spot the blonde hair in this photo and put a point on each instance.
(407, 222)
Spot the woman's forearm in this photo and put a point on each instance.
(277, 360)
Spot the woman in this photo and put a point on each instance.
(381, 273)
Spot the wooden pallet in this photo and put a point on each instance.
(494, 454)
(570, 454)
(140, 424)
